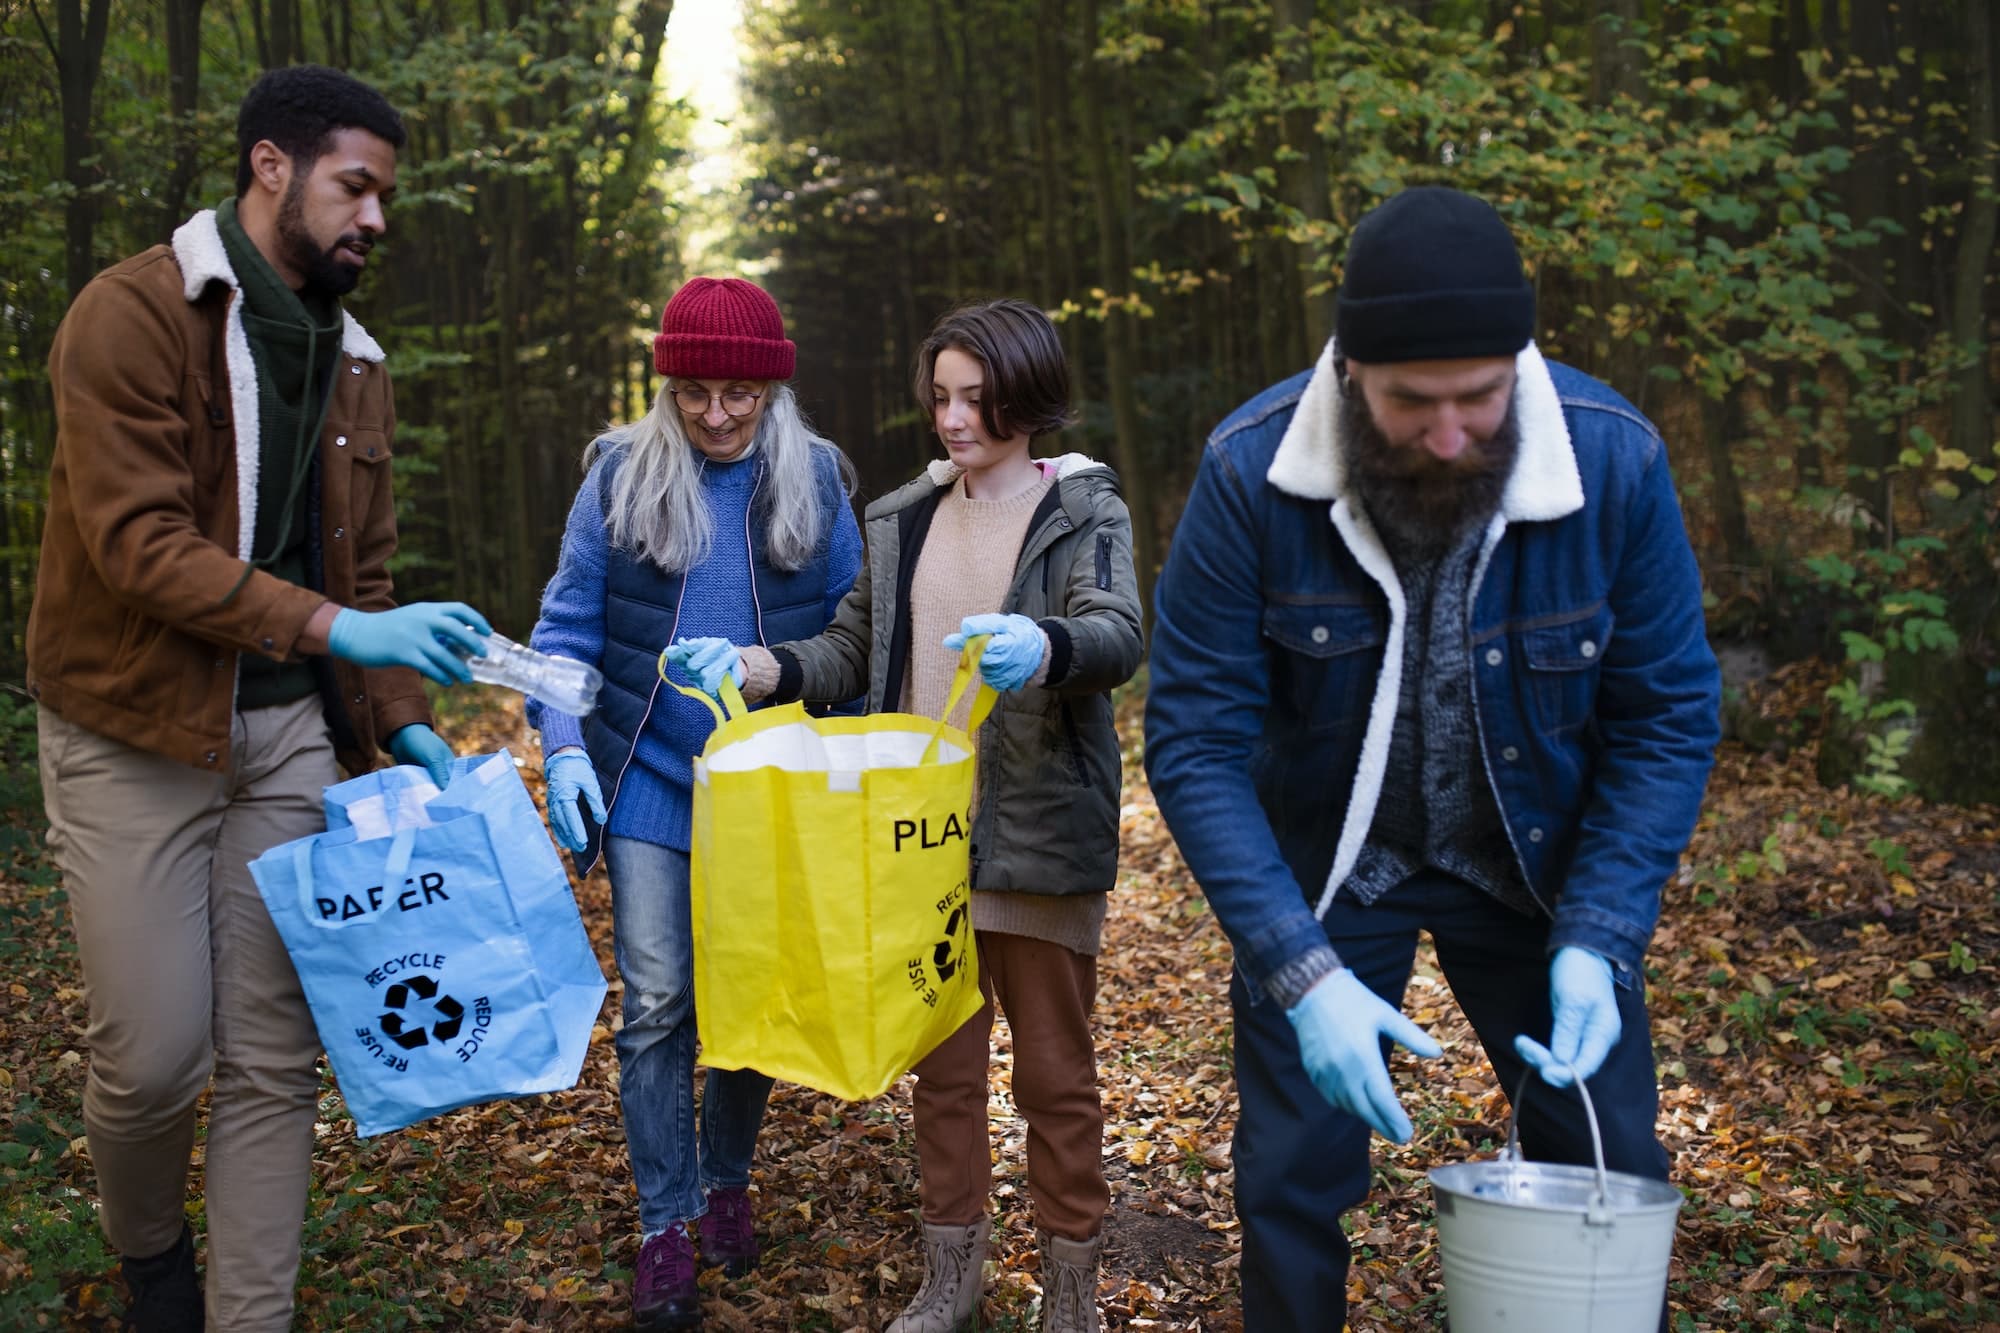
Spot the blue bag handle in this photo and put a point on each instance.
(401, 847)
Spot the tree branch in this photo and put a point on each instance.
(55, 51)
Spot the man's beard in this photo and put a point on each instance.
(1421, 504)
(323, 273)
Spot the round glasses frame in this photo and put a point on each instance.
(735, 403)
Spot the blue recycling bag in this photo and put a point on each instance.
(438, 942)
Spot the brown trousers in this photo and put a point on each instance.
(1047, 992)
(183, 974)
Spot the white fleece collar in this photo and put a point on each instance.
(198, 249)
(1311, 461)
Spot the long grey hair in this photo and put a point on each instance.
(657, 509)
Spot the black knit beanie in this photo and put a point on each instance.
(1432, 275)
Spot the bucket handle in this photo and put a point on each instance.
(1599, 1212)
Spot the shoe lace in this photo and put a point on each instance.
(1073, 1296)
(667, 1260)
(944, 1269)
(729, 1215)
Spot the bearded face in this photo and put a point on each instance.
(318, 262)
(1421, 502)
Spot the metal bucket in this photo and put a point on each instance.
(1529, 1247)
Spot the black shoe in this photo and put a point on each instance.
(165, 1294)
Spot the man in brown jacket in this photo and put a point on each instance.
(213, 630)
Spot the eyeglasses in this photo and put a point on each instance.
(735, 402)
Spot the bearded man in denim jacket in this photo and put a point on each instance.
(1429, 656)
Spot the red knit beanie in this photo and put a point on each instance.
(723, 329)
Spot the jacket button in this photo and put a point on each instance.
(354, 370)
(1589, 649)
(221, 662)
(210, 757)
(1320, 634)
(338, 533)
(340, 440)
(267, 643)
(358, 700)
(1534, 835)
(1493, 657)
(1510, 754)
(371, 451)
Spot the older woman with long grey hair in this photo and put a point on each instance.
(720, 513)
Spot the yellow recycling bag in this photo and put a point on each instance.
(831, 889)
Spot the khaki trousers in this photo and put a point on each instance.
(183, 974)
(1046, 992)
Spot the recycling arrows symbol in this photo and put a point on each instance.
(941, 952)
(398, 1028)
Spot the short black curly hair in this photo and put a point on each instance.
(298, 107)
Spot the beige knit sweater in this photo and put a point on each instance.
(964, 569)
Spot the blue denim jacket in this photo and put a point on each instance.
(1277, 659)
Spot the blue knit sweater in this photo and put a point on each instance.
(655, 797)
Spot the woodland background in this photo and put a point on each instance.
(1771, 224)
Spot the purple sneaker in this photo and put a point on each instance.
(726, 1234)
(663, 1291)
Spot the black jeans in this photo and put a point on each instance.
(1300, 1163)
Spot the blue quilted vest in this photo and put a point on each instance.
(641, 602)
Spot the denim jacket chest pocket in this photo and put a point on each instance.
(1563, 661)
(1325, 660)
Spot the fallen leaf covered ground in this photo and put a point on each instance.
(1823, 992)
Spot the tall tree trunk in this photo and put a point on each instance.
(1870, 187)
(1614, 66)
(946, 75)
(1048, 185)
(183, 96)
(516, 304)
(262, 32)
(1303, 179)
(1971, 408)
(288, 39)
(79, 58)
(1120, 359)
(1721, 422)
(1615, 72)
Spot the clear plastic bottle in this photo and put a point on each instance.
(564, 684)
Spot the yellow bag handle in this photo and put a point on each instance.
(732, 697)
(732, 706)
(982, 702)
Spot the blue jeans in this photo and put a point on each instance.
(1300, 1163)
(656, 1047)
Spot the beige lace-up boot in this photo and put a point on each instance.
(954, 1274)
(1069, 1283)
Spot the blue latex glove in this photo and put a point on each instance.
(1013, 653)
(1586, 1019)
(417, 744)
(1341, 1024)
(707, 661)
(434, 638)
(569, 775)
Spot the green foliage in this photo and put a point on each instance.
(533, 237)
(1895, 860)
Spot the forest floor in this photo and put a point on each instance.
(1823, 997)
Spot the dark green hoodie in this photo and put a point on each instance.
(294, 343)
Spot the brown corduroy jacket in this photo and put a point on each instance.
(142, 606)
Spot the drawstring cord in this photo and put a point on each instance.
(301, 468)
